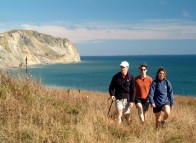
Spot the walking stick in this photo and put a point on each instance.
(110, 107)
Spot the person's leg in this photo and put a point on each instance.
(145, 115)
(166, 110)
(140, 112)
(127, 117)
(120, 113)
(119, 107)
(126, 110)
(157, 112)
(145, 106)
(158, 119)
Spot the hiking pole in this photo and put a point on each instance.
(110, 106)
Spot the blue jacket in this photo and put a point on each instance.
(161, 92)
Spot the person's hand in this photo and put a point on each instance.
(153, 105)
(113, 98)
(130, 104)
(171, 107)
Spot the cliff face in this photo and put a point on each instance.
(39, 48)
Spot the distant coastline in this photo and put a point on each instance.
(137, 55)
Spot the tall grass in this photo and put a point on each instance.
(30, 112)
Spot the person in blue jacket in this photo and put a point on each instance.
(161, 97)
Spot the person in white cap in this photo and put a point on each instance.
(121, 89)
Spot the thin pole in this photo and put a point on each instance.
(110, 107)
(26, 68)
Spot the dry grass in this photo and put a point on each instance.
(32, 113)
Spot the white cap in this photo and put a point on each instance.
(124, 64)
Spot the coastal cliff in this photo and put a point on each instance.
(38, 48)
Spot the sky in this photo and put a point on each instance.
(109, 27)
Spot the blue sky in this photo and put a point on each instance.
(109, 27)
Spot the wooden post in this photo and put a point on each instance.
(26, 68)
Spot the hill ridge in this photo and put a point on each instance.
(39, 48)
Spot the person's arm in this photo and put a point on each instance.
(132, 91)
(170, 94)
(112, 88)
(151, 94)
(150, 83)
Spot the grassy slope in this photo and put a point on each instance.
(30, 112)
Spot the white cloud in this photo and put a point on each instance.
(96, 32)
(170, 29)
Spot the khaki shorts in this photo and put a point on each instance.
(123, 105)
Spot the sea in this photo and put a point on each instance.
(94, 73)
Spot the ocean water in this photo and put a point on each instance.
(95, 73)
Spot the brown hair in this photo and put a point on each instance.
(143, 65)
(161, 69)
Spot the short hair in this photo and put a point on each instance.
(143, 65)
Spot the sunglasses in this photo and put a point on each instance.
(143, 69)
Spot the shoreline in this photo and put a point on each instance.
(98, 91)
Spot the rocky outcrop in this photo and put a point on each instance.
(18, 45)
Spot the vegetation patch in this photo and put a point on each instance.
(30, 112)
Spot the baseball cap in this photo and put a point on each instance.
(124, 64)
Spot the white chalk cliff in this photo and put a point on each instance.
(38, 48)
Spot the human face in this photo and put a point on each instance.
(124, 70)
(161, 75)
(143, 70)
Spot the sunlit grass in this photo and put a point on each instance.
(30, 112)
